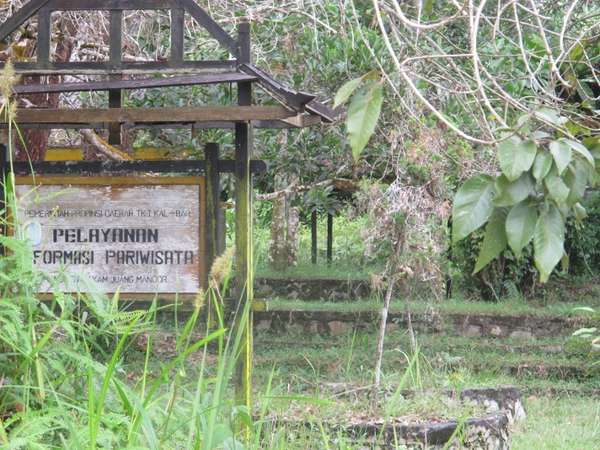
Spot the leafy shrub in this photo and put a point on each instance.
(507, 276)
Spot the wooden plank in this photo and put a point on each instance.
(64, 154)
(287, 96)
(134, 68)
(206, 21)
(302, 121)
(186, 167)
(313, 237)
(114, 128)
(116, 38)
(227, 77)
(57, 126)
(83, 5)
(299, 121)
(329, 238)
(207, 125)
(326, 113)
(152, 115)
(43, 36)
(115, 96)
(177, 38)
(19, 17)
(76, 154)
(211, 156)
(298, 100)
(151, 153)
(44, 180)
(221, 230)
(3, 171)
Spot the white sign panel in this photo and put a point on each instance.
(142, 239)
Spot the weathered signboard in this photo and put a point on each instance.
(137, 236)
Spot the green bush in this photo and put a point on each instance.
(507, 276)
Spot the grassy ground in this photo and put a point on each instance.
(561, 413)
(445, 360)
(559, 423)
(320, 379)
(326, 378)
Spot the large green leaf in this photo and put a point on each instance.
(472, 206)
(562, 154)
(557, 189)
(551, 116)
(520, 226)
(363, 114)
(347, 89)
(581, 149)
(548, 241)
(542, 165)
(579, 211)
(494, 240)
(510, 193)
(576, 179)
(516, 156)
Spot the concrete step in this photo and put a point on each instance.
(476, 325)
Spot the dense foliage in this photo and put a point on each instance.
(521, 77)
(450, 83)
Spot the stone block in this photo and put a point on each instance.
(263, 325)
(522, 334)
(337, 327)
(473, 331)
(496, 331)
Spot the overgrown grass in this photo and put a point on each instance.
(556, 424)
(63, 382)
(320, 365)
(447, 359)
(63, 378)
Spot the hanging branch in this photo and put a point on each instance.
(104, 147)
(504, 60)
(342, 184)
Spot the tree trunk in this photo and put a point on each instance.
(283, 246)
(393, 272)
(381, 338)
(35, 142)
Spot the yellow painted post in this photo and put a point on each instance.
(3, 170)
(213, 206)
(211, 158)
